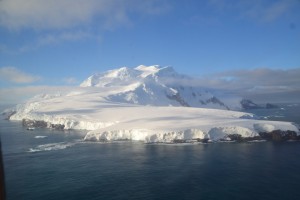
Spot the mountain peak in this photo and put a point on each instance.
(120, 76)
(155, 70)
(121, 73)
(152, 85)
(152, 68)
(126, 75)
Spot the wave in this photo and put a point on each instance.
(40, 136)
(51, 147)
(257, 141)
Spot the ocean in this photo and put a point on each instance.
(50, 164)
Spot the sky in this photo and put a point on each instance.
(249, 48)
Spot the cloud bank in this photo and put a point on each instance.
(14, 75)
(255, 78)
(55, 22)
(15, 95)
(61, 14)
(65, 14)
(262, 84)
(259, 10)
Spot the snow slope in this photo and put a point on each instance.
(157, 86)
(148, 104)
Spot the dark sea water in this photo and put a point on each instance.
(46, 165)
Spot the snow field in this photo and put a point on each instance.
(144, 104)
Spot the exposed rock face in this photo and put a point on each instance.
(41, 124)
(205, 140)
(248, 104)
(7, 115)
(57, 126)
(215, 100)
(177, 97)
(278, 135)
(239, 138)
(34, 123)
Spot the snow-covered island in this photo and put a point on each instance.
(149, 104)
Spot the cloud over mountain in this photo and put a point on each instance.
(263, 84)
(14, 75)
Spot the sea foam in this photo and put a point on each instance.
(51, 147)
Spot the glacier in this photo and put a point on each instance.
(146, 104)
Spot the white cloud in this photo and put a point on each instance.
(277, 9)
(264, 77)
(262, 84)
(45, 13)
(51, 38)
(56, 38)
(61, 14)
(270, 11)
(15, 75)
(53, 22)
(70, 80)
(259, 10)
(17, 95)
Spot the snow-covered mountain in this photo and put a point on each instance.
(157, 86)
(150, 104)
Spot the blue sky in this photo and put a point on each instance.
(62, 42)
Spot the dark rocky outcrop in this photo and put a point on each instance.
(34, 123)
(248, 104)
(179, 99)
(205, 140)
(278, 135)
(179, 141)
(57, 126)
(235, 137)
(7, 115)
(248, 116)
(41, 124)
(239, 138)
(215, 100)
